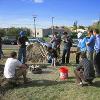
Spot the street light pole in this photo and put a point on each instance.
(34, 17)
(52, 25)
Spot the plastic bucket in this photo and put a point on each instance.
(63, 73)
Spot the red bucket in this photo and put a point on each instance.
(63, 73)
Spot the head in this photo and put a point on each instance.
(95, 31)
(55, 34)
(65, 33)
(13, 54)
(79, 35)
(22, 33)
(90, 32)
(49, 49)
(83, 55)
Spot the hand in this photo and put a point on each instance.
(87, 43)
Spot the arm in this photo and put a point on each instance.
(79, 66)
(20, 65)
(90, 40)
(23, 66)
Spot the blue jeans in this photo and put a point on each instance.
(97, 63)
(90, 56)
(66, 52)
(22, 55)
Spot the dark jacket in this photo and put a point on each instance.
(22, 41)
(0, 43)
(67, 42)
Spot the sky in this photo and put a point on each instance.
(65, 12)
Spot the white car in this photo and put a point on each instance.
(38, 40)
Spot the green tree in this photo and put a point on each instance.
(75, 26)
(81, 27)
(2, 32)
(15, 31)
(95, 25)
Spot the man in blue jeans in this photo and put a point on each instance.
(22, 47)
(97, 52)
(90, 45)
(66, 50)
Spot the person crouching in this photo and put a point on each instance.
(84, 72)
(14, 69)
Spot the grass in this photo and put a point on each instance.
(48, 86)
(47, 39)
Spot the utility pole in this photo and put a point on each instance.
(34, 17)
(75, 25)
(52, 25)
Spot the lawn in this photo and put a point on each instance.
(48, 86)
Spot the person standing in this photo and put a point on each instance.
(81, 47)
(0, 46)
(97, 52)
(53, 56)
(90, 45)
(79, 36)
(67, 46)
(22, 47)
(54, 41)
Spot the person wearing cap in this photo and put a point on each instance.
(22, 47)
(79, 36)
(81, 46)
(97, 52)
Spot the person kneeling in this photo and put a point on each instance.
(14, 69)
(84, 72)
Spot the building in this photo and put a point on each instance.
(45, 32)
(81, 30)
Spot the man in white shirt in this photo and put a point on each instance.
(14, 68)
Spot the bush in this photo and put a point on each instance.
(74, 35)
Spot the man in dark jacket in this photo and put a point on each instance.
(22, 47)
(67, 45)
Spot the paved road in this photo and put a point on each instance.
(16, 47)
(9, 47)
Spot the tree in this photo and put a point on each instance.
(81, 27)
(95, 25)
(2, 32)
(75, 26)
(15, 31)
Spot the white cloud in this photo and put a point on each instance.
(96, 20)
(38, 1)
(35, 1)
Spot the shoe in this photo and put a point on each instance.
(80, 84)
